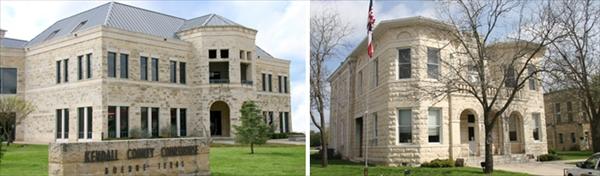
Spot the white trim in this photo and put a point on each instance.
(178, 125)
(118, 121)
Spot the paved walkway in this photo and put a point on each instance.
(538, 168)
(272, 141)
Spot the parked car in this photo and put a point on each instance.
(588, 167)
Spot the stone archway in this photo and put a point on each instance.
(516, 135)
(469, 131)
(220, 119)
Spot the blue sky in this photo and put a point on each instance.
(282, 29)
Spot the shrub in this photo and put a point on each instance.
(548, 157)
(552, 151)
(436, 163)
(279, 135)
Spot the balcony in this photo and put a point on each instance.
(219, 81)
(218, 72)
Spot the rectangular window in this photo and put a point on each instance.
(224, 53)
(280, 86)
(285, 84)
(62, 123)
(154, 69)
(404, 126)
(375, 130)
(510, 77)
(173, 71)
(264, 82)
(182, 72)
(570, 111)
(573, 138)
(433, 63)
(112, 122)
(512, 129)
(66, 61)
(112, 61)
(212, 54)
(79, 67)
(532, 83)
(8, 80)
(89, 122)
(281, 122)
(360, 82)
(404, 66)
(80, 122)
(173, 122)
(248, 55)
(84, 116)
(144, 68)
(270, 118)
(557, 112)
(144, 120)
(242, 55)
(560, 138)
(88, 58)
(434, 125)
(270, 83)
(286, 124)
(154, 124)
(375, 73)
(118, 122)
(58, 77)
(537, 126)
(124, 122)
(182, 122)
(124, 65)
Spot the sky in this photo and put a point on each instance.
(355, 14)
(282, 30)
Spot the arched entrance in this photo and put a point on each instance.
(219, 119)
(469, 131)
(515, 133)
(497, 135)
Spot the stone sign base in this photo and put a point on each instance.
(172, 156)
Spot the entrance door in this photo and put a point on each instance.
(215, 123)
(359, 135)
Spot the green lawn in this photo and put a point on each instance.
(25, 160)
(339, 167)
(572, 155)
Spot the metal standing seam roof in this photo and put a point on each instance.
(12, 43)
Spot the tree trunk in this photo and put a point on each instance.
(489, 156)
(251, 148)
(595, 130)
(323, 150)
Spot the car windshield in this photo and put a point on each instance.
(591, 162)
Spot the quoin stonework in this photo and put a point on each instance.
(403, 127)
(567, 123)
(118, 71)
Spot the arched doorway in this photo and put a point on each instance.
(497, 135)
(469, 131)
(515, 133)
(219, 119)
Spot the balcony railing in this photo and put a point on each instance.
(219, 81)
(247, 82)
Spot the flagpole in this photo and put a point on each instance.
(370, 51)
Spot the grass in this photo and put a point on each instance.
(340, 167)
(269, 159)
(572, 155)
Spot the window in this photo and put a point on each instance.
(8, 80)
(112, 59)
(573, 138)
(58, 77)
(281, 122)
(85, 122)
(560, 138)
(154, 125)
(178, 120)
(472, 73)
(224, 53)
(154, 69)
(286, 124)
(144, 68)
(182, 72)
(78, 26)
(570, 111)
(150, 121)
(124, 66)
(118, 122)
(79, 67)
(173, 66)
(144, 120)
(404, 68)
(173, 121)
(510, 79)
(182, 122)
(404, 126)
(280, 86)
(375, 72)
(62, 123)
(434, 125)
(242, 55)
(88, 58)
(248, 55)
(557, 112)
(433, 63)
(212, 54)
(264, 82)
(537, 126)
(66, 61)
(375, 130)
(270, 122)
(532, 83)
(270, 83)
(512, 129)
(360, 82)
(51, 35)
(285, 84)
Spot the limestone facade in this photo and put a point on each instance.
(183, 105)
(567, 124)
(370, 98)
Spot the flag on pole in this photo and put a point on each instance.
(370, 25)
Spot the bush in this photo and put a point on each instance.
(552, 151)
(436, 163)
(279, 135)
(548, 157)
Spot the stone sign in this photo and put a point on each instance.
(173, 156)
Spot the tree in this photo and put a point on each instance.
(253, 130)
(327, 34)
(573, 59)
(484, 64)
(12, 111)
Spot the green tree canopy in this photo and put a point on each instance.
(253, 130)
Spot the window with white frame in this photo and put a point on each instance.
(118, 121)
(433, 63)
(62, 123)
(375, 130)
(178, 122)
(404, 126)
(537, 126)
(404, 65)
(532, 82)
(84, 117)
(375, 72)
(434, 124)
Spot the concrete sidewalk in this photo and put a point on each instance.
(538, 168)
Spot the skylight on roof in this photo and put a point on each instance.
(79, 26)
(52, 34)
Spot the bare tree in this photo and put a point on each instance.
(327, 35)
(494, 50)
(573, 61)
(12, 111)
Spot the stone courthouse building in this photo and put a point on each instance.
(118, 71)
(567, 124)
(403, 127)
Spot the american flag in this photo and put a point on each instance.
(370, 25)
